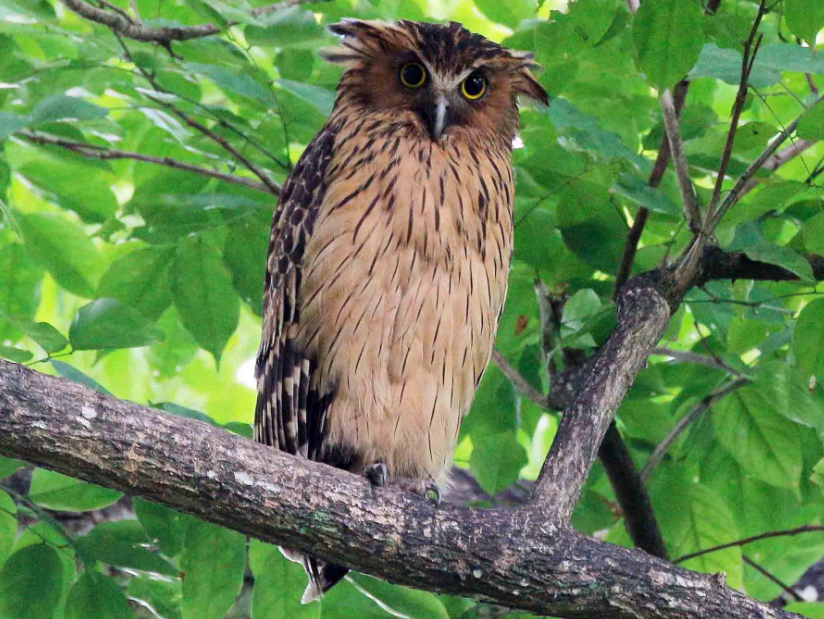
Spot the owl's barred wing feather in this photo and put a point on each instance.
(289, 412)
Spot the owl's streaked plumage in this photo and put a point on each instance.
(389, 255)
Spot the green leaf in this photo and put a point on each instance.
(140, 279)
(725, 64)
(20, 290)
(636, 189)
(163, 595)
(55, 491)
(408, 602)
(668, 36)
(9, 466)
(213, 562)
(811, 126)
(63, 108)
(164, 526)
(808, 339)
(496, 461)
(107, 324)
(292, 27)
(818, 473)
(813, 610)
(8, 525)
(73, 374)
(764, 443)
(245, 256)
(31, 582)
(64, 250)
(96, 596)
(782, 256)
(321, 99)
(18, 355)
(804, 18)
(508, 13)
(124, 543)
(46, 336)
(204, 296)
(9, 123)
(813, 234)
(236, 83)
(279, 584)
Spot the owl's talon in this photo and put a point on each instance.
(376, 474)
(433, 493)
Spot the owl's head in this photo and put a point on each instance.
(442, 78)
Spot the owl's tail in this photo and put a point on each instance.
(322, 576)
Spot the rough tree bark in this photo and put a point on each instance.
(527, 558)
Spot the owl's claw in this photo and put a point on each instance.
(433, 493)
(376, 474)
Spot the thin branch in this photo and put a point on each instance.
(777, 160)
(738, 105)
(126, 27)
(691, 357)
(810, 528)
(513, 557)
(118, 21)
(771, 577)
(734, 195)
(684, 422)
(519, 382)
(679, 159)
(98, 152)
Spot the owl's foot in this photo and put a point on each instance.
(376, 474)
(433, 492)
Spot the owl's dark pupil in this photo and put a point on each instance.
(413, 75)
(474, 85)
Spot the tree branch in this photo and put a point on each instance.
(98, 152)
(755, 538)
(679, 159)
(118, 21)
(513, 557)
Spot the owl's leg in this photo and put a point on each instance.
(376, 474)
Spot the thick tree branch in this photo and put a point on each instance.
(514, 557)
(99, 152)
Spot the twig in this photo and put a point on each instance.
(810, 528)
(734, 195)
(117, 23)
(519, 382)
(738, 105)
(121, 23)
(679, 159)
(684, 422)
(691, 357)
(777, 160)
(98, 152)
(769, 576)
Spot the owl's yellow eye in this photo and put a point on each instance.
(413, 75)
(473, 87)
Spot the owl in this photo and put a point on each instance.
(389, 254)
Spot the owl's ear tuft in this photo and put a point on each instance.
(527, 85)
(358, 40)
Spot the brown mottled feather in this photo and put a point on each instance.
(388, 262)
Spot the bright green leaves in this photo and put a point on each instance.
(213, 562)
(497, 460)
(96, 596)
(8, 522)
(668, 37)
(279, 584)
(204, 296)
(811, 126)
(164, 527)
(808, 339)
(760, 439)
(55, 491)
(140, 280)
(31, 582)
(507, 13)
(124, 543)
(64, 250)
(107, 324)
(804, 18)
(63, 108)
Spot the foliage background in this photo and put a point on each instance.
(145, 281)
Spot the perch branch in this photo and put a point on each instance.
(513, 557)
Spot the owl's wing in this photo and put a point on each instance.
(290, 412)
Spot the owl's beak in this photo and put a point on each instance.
(436, 117)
